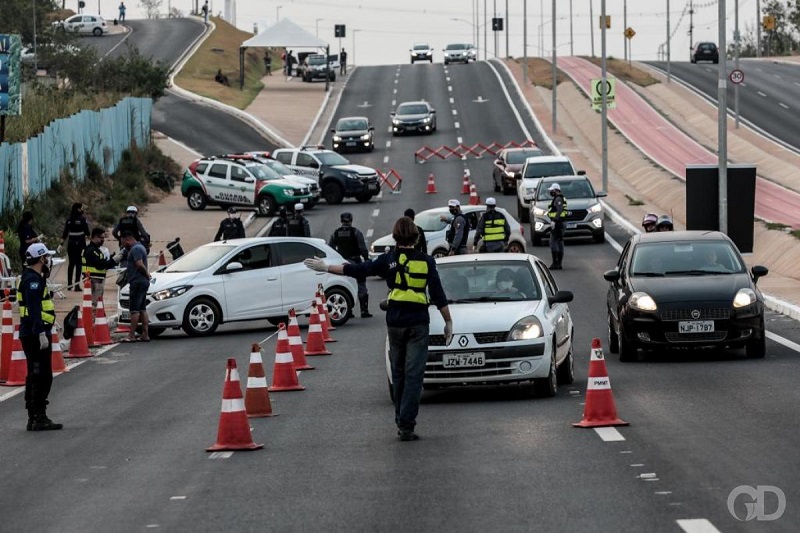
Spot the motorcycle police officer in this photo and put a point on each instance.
(230, 227)
(493, 228)
(557, 212)
(458, 233)
(349, 242)
(298, 225)
(280, 228)
(36, 317)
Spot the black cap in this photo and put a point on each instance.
(346, 217)
(409, 213)
(232, 210)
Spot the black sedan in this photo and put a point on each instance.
(684, 289)
(413, 117)
(353, 133)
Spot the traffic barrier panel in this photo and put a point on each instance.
(18, 366)
(256, 396)
(315, 342)
(386, 178)
(233, 433)
(284, 376)
(296, 344)
(7, 338)
(599, 409)
(463, 151)
(86, 311)
(57, 358)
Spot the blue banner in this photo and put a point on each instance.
(10, 74)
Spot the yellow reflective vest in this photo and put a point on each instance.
(410, 281)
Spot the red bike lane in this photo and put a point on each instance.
(673, 149)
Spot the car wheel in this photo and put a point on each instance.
(332, 192)
(613, 338)
(196, 200)
(201, 317)
(566, 370)
(266, 205)
(515, 248)
(439, 252)
(627, 352)
(155, 332)
(97, 32)
(599, 237)
(340, 306)
(364, 197)
(522, 213)
(547, 387)
(278, 320)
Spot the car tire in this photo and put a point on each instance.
(311, 204)
(196, 200)
(566, 370)
(333, 193)
(599, 237)
(97, 32)
(547, 387)
(153, 332)
(201, 317)
(613, 339)
(515, 248)
(627, 352)
(339, 304)
(522, 214)
(266, 205)
(439, 252)
(364, 197)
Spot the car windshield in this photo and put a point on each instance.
(571, 189)
(542, 170)
(278, 167)
(332, 158)
(263, 172)
(456, 46)
(518, 157)
(421, 47)
(198, 259)
(429, 220)
(412, 109)
(685, 258)
(351, 124)
(489, 281)
(316, 60)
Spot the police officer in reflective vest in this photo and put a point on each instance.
(95, 264)
(493, 228)
(557, 212)
(458, 233)
(231, 227)
(411, 277)
(280, 228)
(36, 317)
(298, 225)
(349, 242)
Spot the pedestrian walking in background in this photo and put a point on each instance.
(76, 231)
(130, 222)
(422, 242)
(458, 232)
(288, 63)
(280, 228)
(231, 226)
(37, 314)
(204, 9)
(139, 281)
(557, 212)
(413, 284)
(298, 225)
(493, 228)
(122, 10)
(267, 63)
(349, 242)
(343, 62)
(96, 263)
(27, 235)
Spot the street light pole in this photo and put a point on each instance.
(485, 36)
(603, 91)
(758, 28)
(571, 36)
(495, 31)
(525, 41)
(722, 114)
(669, 38)
(736, 62)
(317, 21)
(625, 27)
(591, 24)
(505, 27)
(555, 73)
(277, 13)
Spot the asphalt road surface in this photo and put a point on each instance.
(138, 418)
(768, 98)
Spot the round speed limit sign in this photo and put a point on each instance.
(737, 76)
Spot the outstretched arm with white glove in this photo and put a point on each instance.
(320, 265)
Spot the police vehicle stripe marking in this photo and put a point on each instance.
(233, 406)
(609, 434)
(697, 525)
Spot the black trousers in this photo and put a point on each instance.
(74, 254)
(40, 374)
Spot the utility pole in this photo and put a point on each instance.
(591, 23)
(485, 37)
(736, 38)
(625, 27)
(758, 28)
(669, 38)
(691, 26)
(505, 27)
(722, 114)
(571, 35)
(604, 84)
(495, 31)
(525, 41)
(555, 73)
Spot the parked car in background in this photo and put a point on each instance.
(705, 52)
(684, 289)
(456, 53)
(84, 23)
(421, 52)
(267, 160)
(513, 336)
(534, 169)
(508, 167)
(472, 52)
(353, 133)
(585, 216)
(314, 67)
(242, 279)
(417, 117)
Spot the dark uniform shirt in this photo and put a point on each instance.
(230, 229)
(422, 242)
(402, 314)
(135, 226)
(458, 233)
(95, 262)
(349, 242)
(76, 230)
(298, 227)
(31, 289)
(280, 228)
(557, 212)
(25, 232)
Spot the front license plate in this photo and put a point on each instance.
(303, 200)
(696, 326)
(571, 225)
(464, 360)
(350, 144)
(373, 187)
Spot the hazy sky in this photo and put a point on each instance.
(385, 29)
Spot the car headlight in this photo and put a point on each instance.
(337, 138)
(395, 122)
(744, 298)
(596, 208)
(525, 329)
(413, 53)
(426, 119)
(288, 192)
(365, 137)
(166, 294)
(351, 175)
(642, 301)
(539, 212)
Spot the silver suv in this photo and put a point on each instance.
(585, 212)
(534, 169)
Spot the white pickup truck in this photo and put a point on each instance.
(535, 168)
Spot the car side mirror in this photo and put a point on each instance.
(561, 297)
(333, 130)
(499, 163)
(233, 267)
(611, 275)
(601, 194)
(371, 128)
(313, 164)
(392, 114)
(249, 179)
(759, 271)
(433, 111)
(581, 173)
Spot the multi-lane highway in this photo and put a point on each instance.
(138, 418)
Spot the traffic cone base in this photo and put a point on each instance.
(599, 409)
(284, 375)
(78, 347)
(233, 433)
(256, 396)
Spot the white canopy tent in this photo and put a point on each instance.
(284, 34)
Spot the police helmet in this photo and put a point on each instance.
(664, 223)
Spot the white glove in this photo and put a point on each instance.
(118, 257)
(44, 342)
(316, 264)
(448, 332)
(59, 249)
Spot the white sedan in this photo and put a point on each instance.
(511, 325)
(85, 24)
(436, 231)
(242, 279)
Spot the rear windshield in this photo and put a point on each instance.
(542, 170)
(518, 157)
(708, 46)
(412, 109)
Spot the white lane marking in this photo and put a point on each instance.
(797, 83)
(663, 492)
(452, 100)
(455, 112)
(380, 195)
(221, 455)
(637, 465)
(459, 140)
(697, 525)
(395, 91)
(649, 475)
(152, 526)
(457, 125)
(369, 233)
(389, 129)
(777, 76)
(743, 84)
(448, 78)
(394, 103)
(177, 497)
(388, 144)
(762, 94)
(376, 212)
(783, 105)
(396, 81)
(609, 434)
(786, 342)
(626, 451)
(511, 102)
(385, 159)
(449, 88)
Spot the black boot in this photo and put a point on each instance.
(42, 423)
(364, 302)
(560, 259)
(31, 419)
(556, 265)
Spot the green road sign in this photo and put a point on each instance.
(10, 74)
(610, 90)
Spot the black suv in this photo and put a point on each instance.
(353, 133)
(705, 52)
(413, 116)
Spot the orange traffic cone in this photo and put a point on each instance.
(284, 376)
(102, 334)
(78, 345)
(474, 199)
(315, 342)
(296, 344)
(162, 261)
(122, 328)
(323, 319)
(86, 312)
(465, 183)
(18, 367)
(323, 307)
(256, 396)
(600, 409)
(7, 338)
(234, 429)
(2, 242)
(57, 359)
(431, 188)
